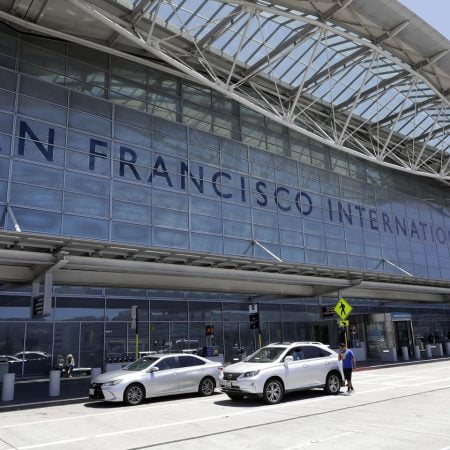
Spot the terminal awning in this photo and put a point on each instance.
(25, 258)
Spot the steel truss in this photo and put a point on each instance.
(308, 72)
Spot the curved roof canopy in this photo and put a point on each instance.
(368, 78)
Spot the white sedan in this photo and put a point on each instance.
(155, 376)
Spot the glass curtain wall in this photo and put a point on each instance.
(94, 146)
(96, 327)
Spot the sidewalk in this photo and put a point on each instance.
(34, 393)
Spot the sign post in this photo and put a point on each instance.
(134, 326)
(343, 310)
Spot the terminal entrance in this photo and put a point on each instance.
(320, 333)
(403, 335)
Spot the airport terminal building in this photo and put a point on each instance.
(195, 157)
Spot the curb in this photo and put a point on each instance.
(400, 364)
(43, 403)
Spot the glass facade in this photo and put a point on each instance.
(92, 146)
(100, 166)
(94, 325)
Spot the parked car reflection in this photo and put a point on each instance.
(34, 362)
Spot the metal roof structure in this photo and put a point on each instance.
(368, 78)
(29, 258)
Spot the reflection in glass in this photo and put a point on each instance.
(91, 344)
(38, 349)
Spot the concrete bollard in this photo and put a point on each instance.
(428, 350)
(8, 387)
(95, 372)
(416, 352)
(447, 348)
(405, 354)
(55, 383)
(439, 350)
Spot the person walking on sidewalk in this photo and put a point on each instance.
(348, 364)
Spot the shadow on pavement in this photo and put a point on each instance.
(99, 404)
(252, 402)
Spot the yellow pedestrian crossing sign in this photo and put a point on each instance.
(342, 308)
(344, 323)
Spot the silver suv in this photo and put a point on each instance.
(273, 370)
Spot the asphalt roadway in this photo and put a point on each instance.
(406, 407)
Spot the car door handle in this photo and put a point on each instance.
(326, 362)
(305, 365)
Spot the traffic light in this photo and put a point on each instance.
(209, 330)
(254, 321)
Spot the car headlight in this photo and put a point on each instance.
(112, 383)
(253, 373)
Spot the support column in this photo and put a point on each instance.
(55, 383)
(8, 387)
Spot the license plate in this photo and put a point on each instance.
(226, 383)
(91, 391)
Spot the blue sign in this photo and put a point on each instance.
(400, 316)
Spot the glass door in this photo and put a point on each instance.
(320, 333)
(403, 335)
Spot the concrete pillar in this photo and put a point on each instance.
(95, 372)
(405, 354)
(428, 350)
(447, 348)
(55, 383)
(8, 387)
(439, 350)
(416, 352)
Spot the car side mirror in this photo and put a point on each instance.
(153, 369)
(288, 360)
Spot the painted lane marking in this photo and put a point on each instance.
(184, 422)
(119, 411)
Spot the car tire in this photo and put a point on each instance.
(235, 397)
(134, 394)
(333, 383)
(206, 387)
(273, 392)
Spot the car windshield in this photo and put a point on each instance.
(266, 355)
(141, 364)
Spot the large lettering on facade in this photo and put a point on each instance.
(283, 198)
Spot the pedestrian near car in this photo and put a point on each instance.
(348, 364)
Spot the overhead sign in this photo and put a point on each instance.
(344, 323)
(38, 306)
(400, 316)
(342, 308)
(253, 308)
(328, 312)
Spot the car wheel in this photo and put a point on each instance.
(134, 394)
(206, 387)
(333, 384)
(235, 396)
(273, 392)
